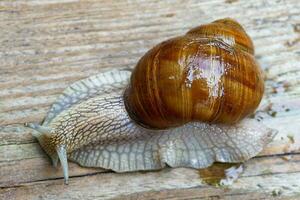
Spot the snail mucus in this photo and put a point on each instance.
(185, 104)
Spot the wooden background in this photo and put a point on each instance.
(46, 45)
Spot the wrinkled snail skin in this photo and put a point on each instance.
(180, 107)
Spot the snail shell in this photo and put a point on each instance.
(91, 122)
(207, 75)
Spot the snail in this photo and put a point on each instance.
(185, 104)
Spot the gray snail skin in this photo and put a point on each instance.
(185, 104)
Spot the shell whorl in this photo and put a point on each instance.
(226, 30)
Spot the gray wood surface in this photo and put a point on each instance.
(46, 45)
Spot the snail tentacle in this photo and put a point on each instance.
(39, 129)
(62, 154)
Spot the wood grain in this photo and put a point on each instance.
(46, 45)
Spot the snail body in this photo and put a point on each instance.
(182, 106)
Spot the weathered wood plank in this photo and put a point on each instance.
(106, 186)
(16, 172)
(46, 45)
(203, 193)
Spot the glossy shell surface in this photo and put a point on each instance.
(209, 74)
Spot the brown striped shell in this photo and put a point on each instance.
(209, 74)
